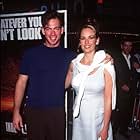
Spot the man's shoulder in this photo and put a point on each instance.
(68, 51)
(117, 55)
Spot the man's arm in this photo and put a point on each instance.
(108, 58)
(19, 94)
(69, 76)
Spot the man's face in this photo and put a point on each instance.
(127, 47)
(52, 32)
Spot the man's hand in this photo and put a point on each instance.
(136, 65)
(108, 58)
(17, 121)
(125, 88)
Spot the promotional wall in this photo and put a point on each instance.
(18, 31)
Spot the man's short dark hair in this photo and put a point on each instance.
(125, 39)
(51, 15)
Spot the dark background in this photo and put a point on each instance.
(115, 15)
(117, 18)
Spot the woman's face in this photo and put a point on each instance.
(88, 40)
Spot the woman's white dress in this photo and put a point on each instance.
(89, 121)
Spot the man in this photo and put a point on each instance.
(136, 69)
(44, 68)
(125, 87)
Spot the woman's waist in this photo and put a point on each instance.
(93, 94)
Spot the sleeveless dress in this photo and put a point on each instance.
(89, 121)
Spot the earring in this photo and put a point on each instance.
(78, 48)
(97, 43)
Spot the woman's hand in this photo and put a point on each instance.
(103, 134)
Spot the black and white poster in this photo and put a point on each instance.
(18, 31)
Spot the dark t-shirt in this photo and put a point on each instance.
(46, 68)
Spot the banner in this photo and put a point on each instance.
(18, 31)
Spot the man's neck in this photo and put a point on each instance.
(51, 46)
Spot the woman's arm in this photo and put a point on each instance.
(69, 76)
(107, 104)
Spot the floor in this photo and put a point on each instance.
(134, 136)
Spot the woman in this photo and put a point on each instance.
(94, 84)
